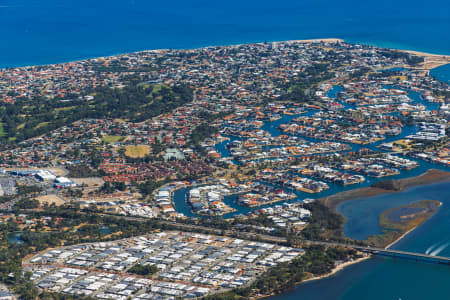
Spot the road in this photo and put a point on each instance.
(385, 251)
(276, 239)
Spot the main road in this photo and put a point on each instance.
(282, 240)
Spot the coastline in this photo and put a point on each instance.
(401, 237)
(434, 60)
(410, 230)
(429, 177)
(346, 264)
(431, 60)
(338, 268)
(335, 270)
(342, 266)
(436, 177)
(87, 58)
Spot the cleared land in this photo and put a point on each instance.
(49, 199)
(431, 61)
(138, 151)
(89, 181)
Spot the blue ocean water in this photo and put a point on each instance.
(50, 31)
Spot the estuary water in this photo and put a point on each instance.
(387, 278)
(51, 31)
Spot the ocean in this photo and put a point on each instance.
(50, 31)
(36, 32)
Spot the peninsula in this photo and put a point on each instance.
(386, 186)
(211, 172)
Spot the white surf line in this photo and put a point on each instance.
(439, 250)
(427, 252)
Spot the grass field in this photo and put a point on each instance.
(137, 151)
(112, 138)
(2, 131)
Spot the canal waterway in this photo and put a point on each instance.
(376, 278)
(273, 128)
(387, 278)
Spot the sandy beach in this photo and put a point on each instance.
(338, 268)
(400, 237)
(342, 266)
(405, 234)
(327, 40)
(430, 176)
(431, 60)
(335, 270)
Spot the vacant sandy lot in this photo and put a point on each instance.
(89, 181)
(431, 60)
(49, 199)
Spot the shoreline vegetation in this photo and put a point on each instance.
(338, 268)
(399, 221)
(385, 186)
(393, 231)
(406, 222)
(317, 262)
(429, 177)
(335, 270)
